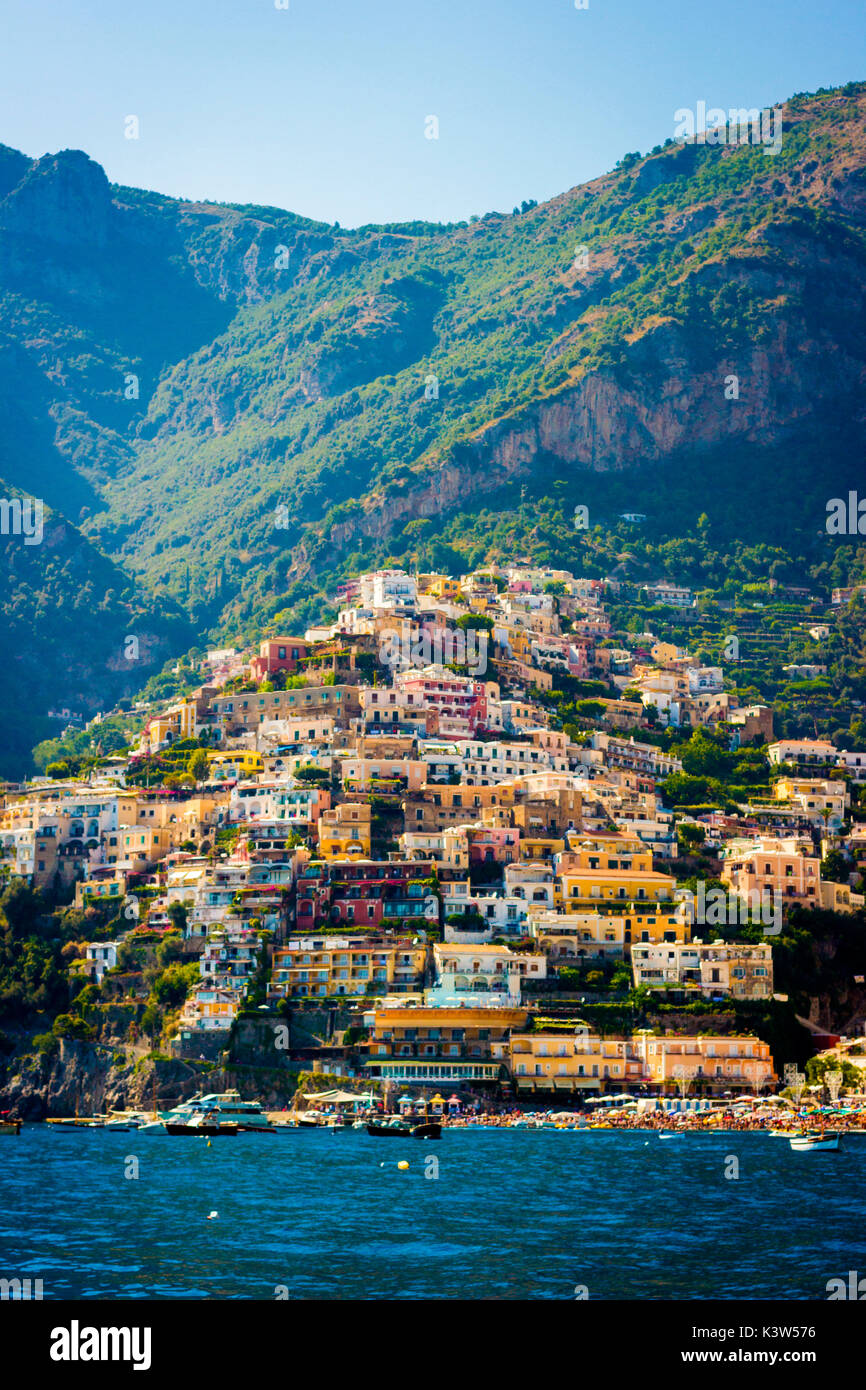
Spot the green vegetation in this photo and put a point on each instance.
(299, 416)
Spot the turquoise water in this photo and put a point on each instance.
(511, 1215)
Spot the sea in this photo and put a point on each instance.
(479, 1214)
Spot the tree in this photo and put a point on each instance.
(66, 1026)
(690, 836)
(174, 984)
(198, 766)
(178, 916)
(703, 757)
(817, 1067)
(310, 773)
(835, 867)
(477, 621)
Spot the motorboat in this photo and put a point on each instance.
(200, 1126)
(399, 1129)
(806, 1143)
(221, 1108)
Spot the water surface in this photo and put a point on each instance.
(512, 1215)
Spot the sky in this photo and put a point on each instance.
(323, 107)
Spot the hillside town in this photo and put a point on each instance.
(423, 829)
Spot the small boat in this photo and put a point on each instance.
(10, 1126)
(805, 1143)
(200, 1127)
(220, 1109)
(430, 1130)
(670, 1134)
(404, 1131)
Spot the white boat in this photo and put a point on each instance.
(225, 1107)
(670, 1134)
(805, 1143)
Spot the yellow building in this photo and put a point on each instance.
(605, 934)
(177, 722)
(718, 1064)
(141, 845)
(573, 1060)
(537, 849)
(235, 763)
(601, 867)
(817, 799)
(325, 966)
(417, 1045)
(552, 1059)
(443, 586)
(345, 831)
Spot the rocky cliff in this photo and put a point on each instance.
(227, 401)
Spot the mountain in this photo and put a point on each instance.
(230, 406)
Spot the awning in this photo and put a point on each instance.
(525, 1084)
(563, 1083)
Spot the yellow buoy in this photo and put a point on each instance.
(402, 1165)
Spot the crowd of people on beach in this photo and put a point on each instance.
(778, 1118)
(789, 1121)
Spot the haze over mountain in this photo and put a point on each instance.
(224, 408)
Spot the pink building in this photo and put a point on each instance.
(493, 845)
(277, 654)
(787, 869)
(455, 701)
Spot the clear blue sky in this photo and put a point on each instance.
(320, 108)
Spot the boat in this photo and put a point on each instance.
(400, 1130)
(199, 1127)
(223, 1108)
(806, 1143)
(670, 1134)
(10, 1126)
